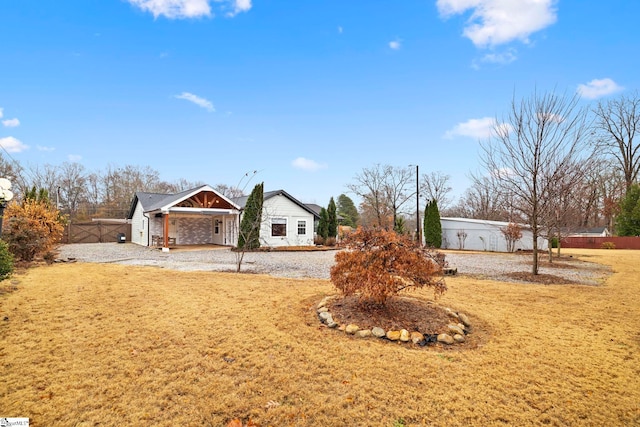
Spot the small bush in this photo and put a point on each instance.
(32, 228)
(6, 261)
(608, 245)
(378, 264)
(330, 241)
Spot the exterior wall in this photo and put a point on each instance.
(483, 236)
(282, 207)
(193, 230)
(139, 227)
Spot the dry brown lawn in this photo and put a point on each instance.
(110, 345)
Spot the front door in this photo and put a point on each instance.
(231, 235)
(173, 229)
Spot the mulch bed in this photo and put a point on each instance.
(398, 313)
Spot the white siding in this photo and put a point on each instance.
(282, 207)
(483, 236)
(139, 227)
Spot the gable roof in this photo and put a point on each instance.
(151, 202)
(242, 201)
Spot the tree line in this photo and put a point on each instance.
(548, 161)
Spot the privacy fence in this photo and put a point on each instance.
(95, 232)
(601, 242)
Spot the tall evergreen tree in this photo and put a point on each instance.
(432, 226)
(249, 237)
(332, 219)
(628, 221)
(323, 224)
(347, 210)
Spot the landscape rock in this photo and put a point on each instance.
(464, 319)
(461, 326)
(455, 329)
(445, 339)
(325, 316)
(417, 337)
(458, 338)
(331, 323)
(323, 310)
(322, 303)
(404, 335)
(451, 313)
(363, 333)
(378, 332)
(352, 329)
(393, 335)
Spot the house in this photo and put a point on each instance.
(285, 220)
(483, 235)
(202, 216)
(316, 209)
(192, 217)
(591, 232)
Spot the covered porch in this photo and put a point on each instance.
(200, 216)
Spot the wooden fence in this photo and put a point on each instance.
(95, 232)
(597, 242)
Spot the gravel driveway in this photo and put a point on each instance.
(314, 264)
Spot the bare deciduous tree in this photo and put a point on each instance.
(618, 121)
(435, 186)
(384, 190)
(539, 144)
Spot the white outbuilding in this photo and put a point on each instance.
(484, 235)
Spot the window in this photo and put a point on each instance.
(279, 227)
(302, 228)
(216, 227)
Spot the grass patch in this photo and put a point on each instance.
(89, 344)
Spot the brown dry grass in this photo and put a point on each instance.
(114, 345)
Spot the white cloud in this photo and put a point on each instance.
(598, 88)
(502, 58)
(184, 9)
(0, 113)
(240, 6)
(11, 123)
(496, 22)
(308, 165)
(42, 148)
(174, 9)
(395, 45)
(74, 157)
(201, 102)
(473, 128)
(12, 145)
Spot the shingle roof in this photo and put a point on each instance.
(242, 201)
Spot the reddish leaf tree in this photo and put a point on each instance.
(378, 264)
(512, 233)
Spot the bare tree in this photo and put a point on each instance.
(483, 200)
(371, 185)
(45, 177)
(397, 188)
(541, 140)
(618, 121)
(228, 191)
(435, 186)
(72, 187)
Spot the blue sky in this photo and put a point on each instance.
(308, 92)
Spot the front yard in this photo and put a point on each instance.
(95, 344)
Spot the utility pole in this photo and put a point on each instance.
(419, 228)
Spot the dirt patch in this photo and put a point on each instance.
(398, 313)
(544, 279)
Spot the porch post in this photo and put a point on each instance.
(165, 234)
